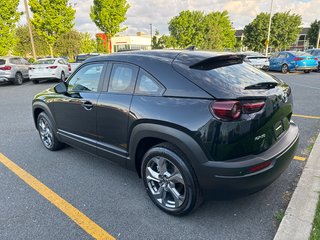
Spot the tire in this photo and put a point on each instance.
(284, 69)
(35, 81)
(169, 180)
(47, 135)
(18, 79)
(306, 71)
(63, 77)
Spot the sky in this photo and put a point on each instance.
(142, 13)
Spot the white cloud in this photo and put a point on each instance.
(159, 12)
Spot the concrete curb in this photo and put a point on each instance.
(298, 218)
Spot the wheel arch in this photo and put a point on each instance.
(146, 135)
(40, 107)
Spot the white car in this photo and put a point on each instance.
(49, 68)
(257, 60)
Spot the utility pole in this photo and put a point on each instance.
(151, 34)
(318, 36)
(269, 29)
(30, 29)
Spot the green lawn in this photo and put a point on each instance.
(315, 234)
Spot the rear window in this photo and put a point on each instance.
(228, 80)
(45, 61)
(2, 62)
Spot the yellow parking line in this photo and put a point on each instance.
(305, 116)
(299, 158)
(78, 217)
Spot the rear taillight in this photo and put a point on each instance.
(316, 59)
(252, 107)
(52, 67)
(6, 68)
(232, 110)
(228, 110)
(298, 58)
(69, 67)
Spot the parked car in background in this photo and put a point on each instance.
(49, 68)
(189, 123)
(13, 69)
(80, 59)
(315, 52)
(257, 60)
(288, 61)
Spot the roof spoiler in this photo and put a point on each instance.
(219, 61)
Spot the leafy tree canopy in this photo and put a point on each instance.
(88, 44)
(109, 14)
(313, 33)
(9, 16)
(69, 44)
(285, 28)
(52, 18)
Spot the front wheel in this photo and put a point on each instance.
(284, 68)
(169, 180)
(46, 133)
(63, 77)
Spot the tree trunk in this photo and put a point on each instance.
(51, 50)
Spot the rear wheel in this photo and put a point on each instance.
(169, 180)
(18, 79)
(63, 77)
(47, 134)
(306, 71)
(284, 68)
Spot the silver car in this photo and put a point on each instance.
(13, 69)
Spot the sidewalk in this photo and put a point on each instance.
(298, 218)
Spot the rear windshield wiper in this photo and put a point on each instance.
(262, 85)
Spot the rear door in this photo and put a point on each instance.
(76, 112)
(113, 111)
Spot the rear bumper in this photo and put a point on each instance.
(236, 176)
(300, 68)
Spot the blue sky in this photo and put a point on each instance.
(159, 12)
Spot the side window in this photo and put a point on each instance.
(122, 79)
(86, 79)
(148, 85)
(60, 61)
(14, 61)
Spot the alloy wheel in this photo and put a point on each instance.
(45, 133)
(165, 182)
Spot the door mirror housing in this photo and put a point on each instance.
(61, 88)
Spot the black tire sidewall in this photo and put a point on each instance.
(286, 68)
(17, 77)
(63, 77)
(190, 182)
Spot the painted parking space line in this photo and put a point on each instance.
(73, 213)
(298, 158)
(306, 116)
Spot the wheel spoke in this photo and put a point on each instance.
(176, 178)
(159, 193)
(152, 175)
(162, 165)
(177, 197)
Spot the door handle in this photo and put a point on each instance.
(87, 105)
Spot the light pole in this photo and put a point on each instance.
(30, 29)
(318, 36)
(269, 29)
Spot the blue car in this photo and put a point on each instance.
(315, 52)
(289, 61)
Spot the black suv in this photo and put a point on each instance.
(190, 123)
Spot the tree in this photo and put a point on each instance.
(23, 46)
(69, 44)
(9, 16)
(88, 45)
(108, 15)
(313, 33)
(256, 32)
(51, 18)
(285, 28)
(219, 32)
(188, 28)
(157, 41)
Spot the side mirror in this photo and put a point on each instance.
(61, 88)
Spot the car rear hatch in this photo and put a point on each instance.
(303, 59)
(263, 101)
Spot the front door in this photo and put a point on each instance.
(76, 112)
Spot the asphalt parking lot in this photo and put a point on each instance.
(114, 198)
